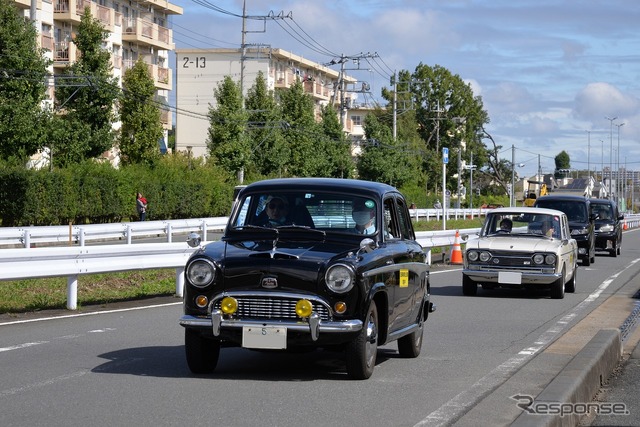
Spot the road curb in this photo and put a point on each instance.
(578, 382)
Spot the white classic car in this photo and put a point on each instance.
(522, 247)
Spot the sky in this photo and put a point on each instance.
(551, 73)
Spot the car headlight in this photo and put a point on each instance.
(579, 231)
(340, 278)
(201, 273)
(538, 259)
(472, 256)
(485, 256)
(607, 228)
(550, 259)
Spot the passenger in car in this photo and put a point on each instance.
(364, 214)
(277, 209)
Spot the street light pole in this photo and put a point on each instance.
(618, 186)
(610, 152)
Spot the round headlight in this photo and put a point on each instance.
(201, 273)
(340, 278)
(606, 228)
(550, 259)
(538, 259)
(485, 256)
(472, 256)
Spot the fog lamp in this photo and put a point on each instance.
(340, 307)
(202, 301)
(229, 305)
(304, 308)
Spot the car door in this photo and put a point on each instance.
(409, 258)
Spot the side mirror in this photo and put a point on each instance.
(194, 240)
(367, 245)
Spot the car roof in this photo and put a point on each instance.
(603, 202)
(566, 197)
(321, 184)
(526, 210)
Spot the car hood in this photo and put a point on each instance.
(517, 244)
(287, 266)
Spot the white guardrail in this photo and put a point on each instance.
(28, 262)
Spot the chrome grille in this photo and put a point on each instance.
(273, 308)
(512, 260)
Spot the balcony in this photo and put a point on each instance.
(147, 33)
(161, 76)
(64, 53)
(163, 5)
(72, 11)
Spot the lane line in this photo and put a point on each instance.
(95, 313)
(13, 391)
(19, 346)
(460, 404)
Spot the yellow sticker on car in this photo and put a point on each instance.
(404, 278)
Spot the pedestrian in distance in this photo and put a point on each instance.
(141, 205)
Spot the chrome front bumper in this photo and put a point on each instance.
(314, 326)
(527, 278)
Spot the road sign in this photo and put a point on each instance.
(445, 155)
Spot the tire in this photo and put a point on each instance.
(469, 287)
(587, 261)
(202, 353)
(570, 286)
(361, 352)
(409, 346)
(615, 251)
(557, 287)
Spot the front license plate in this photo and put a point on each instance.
(270, 337)
(510, 278)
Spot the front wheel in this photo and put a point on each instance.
(557, 287)
(361, 352)
(469, 287)
(202, 353)
(570, 286)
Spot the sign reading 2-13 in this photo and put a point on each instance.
(197, 62)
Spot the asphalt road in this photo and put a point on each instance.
(124, 364)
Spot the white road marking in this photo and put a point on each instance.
(461, 403)
(66, 316)
(13, 391)
(19, 346)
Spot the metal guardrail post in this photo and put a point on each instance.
(26, 239)
(204, 231)
(129, 234)
(72, 292)
(169, 231)
(81, 236)
(180, 282)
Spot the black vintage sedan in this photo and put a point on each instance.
(309, 263)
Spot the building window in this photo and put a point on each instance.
(356, 120)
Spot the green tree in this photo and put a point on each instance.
(227, 140)
(336, 145)
(141, 127)
(87, 92)
(563, 164)
(382, 159)
(23, 71)
(269, 152)
(301, 131)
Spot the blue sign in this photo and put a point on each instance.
(445, 155)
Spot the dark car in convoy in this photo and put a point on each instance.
(309, 263)
(608, 226)
(581, 221)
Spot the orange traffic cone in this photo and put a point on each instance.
(456, 252)
(624, 225)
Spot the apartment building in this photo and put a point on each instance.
(137, 29)
(199, 71)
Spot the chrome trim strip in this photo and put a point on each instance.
(416, 267)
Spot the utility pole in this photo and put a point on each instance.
(395, 106)
(243, 54)
(610, 154)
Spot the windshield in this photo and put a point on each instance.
(321, 211)
(575, 211)
(519, 224)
